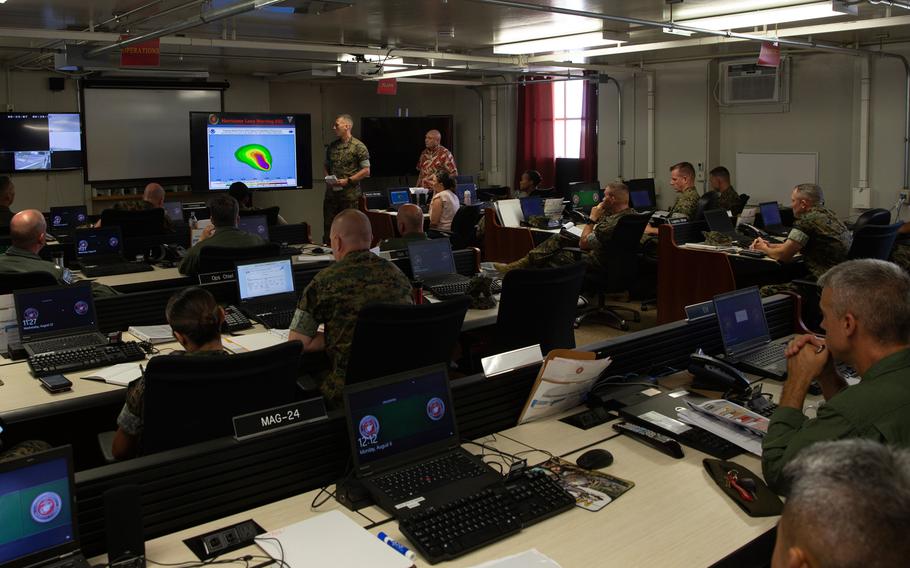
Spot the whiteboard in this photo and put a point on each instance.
(772, 177)
(141, 134)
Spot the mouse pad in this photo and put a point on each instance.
(593, 490)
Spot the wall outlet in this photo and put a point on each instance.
(904, 195)
(861, 198)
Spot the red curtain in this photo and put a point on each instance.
(535, 132)
(589, 132)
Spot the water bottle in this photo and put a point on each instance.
(467, 197)
(193, 221)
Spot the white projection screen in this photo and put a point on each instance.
(140, 133)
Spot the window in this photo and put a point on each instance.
(568, 99)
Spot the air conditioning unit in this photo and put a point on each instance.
(745, 82)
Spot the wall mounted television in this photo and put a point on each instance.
(395, 143)
(40, 141)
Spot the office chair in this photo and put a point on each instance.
(391, 338)
(464, 227)
(538, 306)
(192, 399)
(224, 259)
(292, 233)
(383, 226)
(872, 217)
(271, 214)
(873, 241)
(135, 223)
(620, 273)
(706, 202)
(741, 204)
(12, 281)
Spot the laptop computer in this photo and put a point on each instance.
(770, 216)
(38, 498)
(642, 194)
(64, 220)
(433, 263)
(266, 290)
(174, 211)
(255, 225)
(100, 253)
(719, 221)
(56, 318)
(744, 331)
(398, 196)
(405, 443)
(531, 207)
(585, 199)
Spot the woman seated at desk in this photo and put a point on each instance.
(445, 203)
(195, 318)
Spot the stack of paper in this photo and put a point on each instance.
(120, 375)
(254, 341)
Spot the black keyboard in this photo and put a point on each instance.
(279, 319)
(446, 532)
(771, 354)
(289, 251)
(80, 358)
(235, 320)
(459, 288)
(706, 442)
(403, 483)
(114, 269)
(68, 342)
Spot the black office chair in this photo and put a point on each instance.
(192, 399)
(872, 217)
(391, 338)
(620, 273)
(873, 241)
(11, 281)
(706, 202)
(464, 227)
(538, 306)
(271, 214)
(135, 223)
(741, 204)
(292, 233)
(223, 259)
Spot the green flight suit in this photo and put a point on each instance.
(223, 237)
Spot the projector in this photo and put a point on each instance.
(360, 69)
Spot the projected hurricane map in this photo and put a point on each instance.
(260, 152)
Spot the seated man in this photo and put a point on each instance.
(848, 505)
(727, 198)
(239, 191)
(682, 180)
(7, 196)
(900, 254)
(337, 293)
(410, 227)
(195, 319)
(28, 234)
(866, 315)
(817, 234)
(152, 198)
(593, 240)
(529, 183)
(222, 232)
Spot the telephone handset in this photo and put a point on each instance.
(751, 231)
(715, 374)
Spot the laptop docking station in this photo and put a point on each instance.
(351, 493)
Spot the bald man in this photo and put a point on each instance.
(410, 227)
(337, 293)
(433, 159)
(152, 198)
(28, 233)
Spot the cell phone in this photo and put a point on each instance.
(55, 383)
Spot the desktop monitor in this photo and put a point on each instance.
(255, 225)
(585, 195)
(174, 210)
(40, 141)
(432, 257)
(770, 214)
(264, 278)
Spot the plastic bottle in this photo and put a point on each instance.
(193, 221)
(467, 197)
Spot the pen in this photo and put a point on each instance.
(402, 549)
(819, 349)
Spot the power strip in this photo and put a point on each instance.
(227, 539)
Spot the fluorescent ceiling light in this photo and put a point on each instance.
(565, 43)
(411, 73)
(677, 31)
(758, 18)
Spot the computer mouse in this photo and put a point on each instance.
(594, 459)
(319, 250)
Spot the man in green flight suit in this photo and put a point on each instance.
(348, 159)
(222, 232)
(337, 294)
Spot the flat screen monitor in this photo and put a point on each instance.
(35, 141)
(173, 210)
(264, 151)
(261, 279)
(642, 193)
(432, 257)
(770, 214)
(399, 196)
(532, 207)
(255, 225)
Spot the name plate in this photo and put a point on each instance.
(678, 220)
(279, 418)
(699, 311)
(210, 278)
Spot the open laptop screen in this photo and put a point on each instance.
(432, 257)
(36, 505)
(770, 214)
(741, 318)
(98, 242)
(173, 210)
(531, 207)
(258, 279)
(47, 311)
(641, 199)
(394, 415)
(68, 217)
(255, 225)
(399, 197)
(586, 199)
(719, 221)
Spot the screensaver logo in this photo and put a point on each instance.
(81, 308)
(255, 156)
(46, 507)
(436, 408)
(369, 430)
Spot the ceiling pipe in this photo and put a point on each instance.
(620, 142)
(204, 18)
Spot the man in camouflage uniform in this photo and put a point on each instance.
(900, 254)
(222, 232)
(337, 293)
(349, 161)
(727, 198)
(682, 180)
(817, 234)
(593, 240)
(410, 226)
(23, 449)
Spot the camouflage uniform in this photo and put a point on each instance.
(223, 237)
(686, 204)
(335, 297)
(550, 253)
(825, 242)
(23, 449)
(401, 242)
(900, 255)
(130, 418)
(342, 160)
(18, 260)
(729, 200)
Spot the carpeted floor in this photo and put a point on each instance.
(594, 329)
